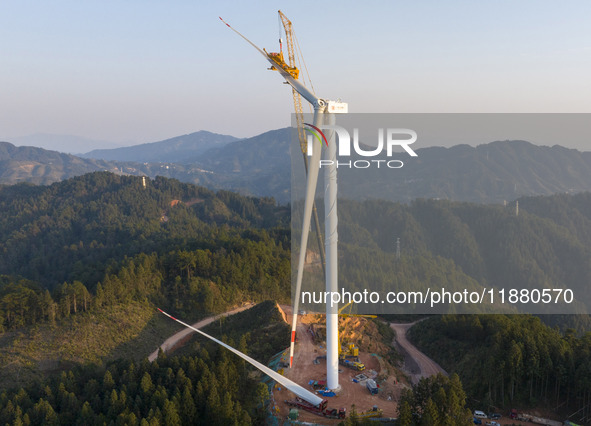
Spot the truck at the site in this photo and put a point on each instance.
(354, 365)
(372, 386)
(321, 409)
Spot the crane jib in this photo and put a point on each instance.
(300, 88)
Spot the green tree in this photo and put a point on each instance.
(430, 415)
(404, 414)
(188, 410)
(43, 413)
(86, 416)
(171, 416)
(108, 382)
(146, 384)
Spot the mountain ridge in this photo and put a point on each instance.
(69, 144)
(177, 149)
(40, 166)
(261, 166)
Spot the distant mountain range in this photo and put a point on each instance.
(181, 149)
(69, 144)
(261, 166)
(42, 167)
(493, 172)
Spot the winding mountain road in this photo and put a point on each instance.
(173, 341)
(416, 363)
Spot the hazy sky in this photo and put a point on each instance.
(142, 70)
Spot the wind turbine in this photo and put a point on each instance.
(324, 111)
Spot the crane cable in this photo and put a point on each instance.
(300, 57)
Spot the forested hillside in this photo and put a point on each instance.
(436, 400)
(100, 249)
(84, 263)
(208, 387)
(86, 239)
(42, 167)
(102, 239)
(463, 245)
(510, 360)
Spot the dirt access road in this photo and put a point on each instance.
(176, 339)
(416, 364)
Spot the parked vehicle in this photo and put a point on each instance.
(372, 386)
(352, 364)
(480, 414)
(320, 410)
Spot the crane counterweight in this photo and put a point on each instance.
(278, 58)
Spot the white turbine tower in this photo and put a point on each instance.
(323, 115)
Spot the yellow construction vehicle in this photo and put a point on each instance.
(371, 413)
(350, 350)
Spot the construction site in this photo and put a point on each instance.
(368, 382)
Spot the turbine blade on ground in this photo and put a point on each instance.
(298, 390)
